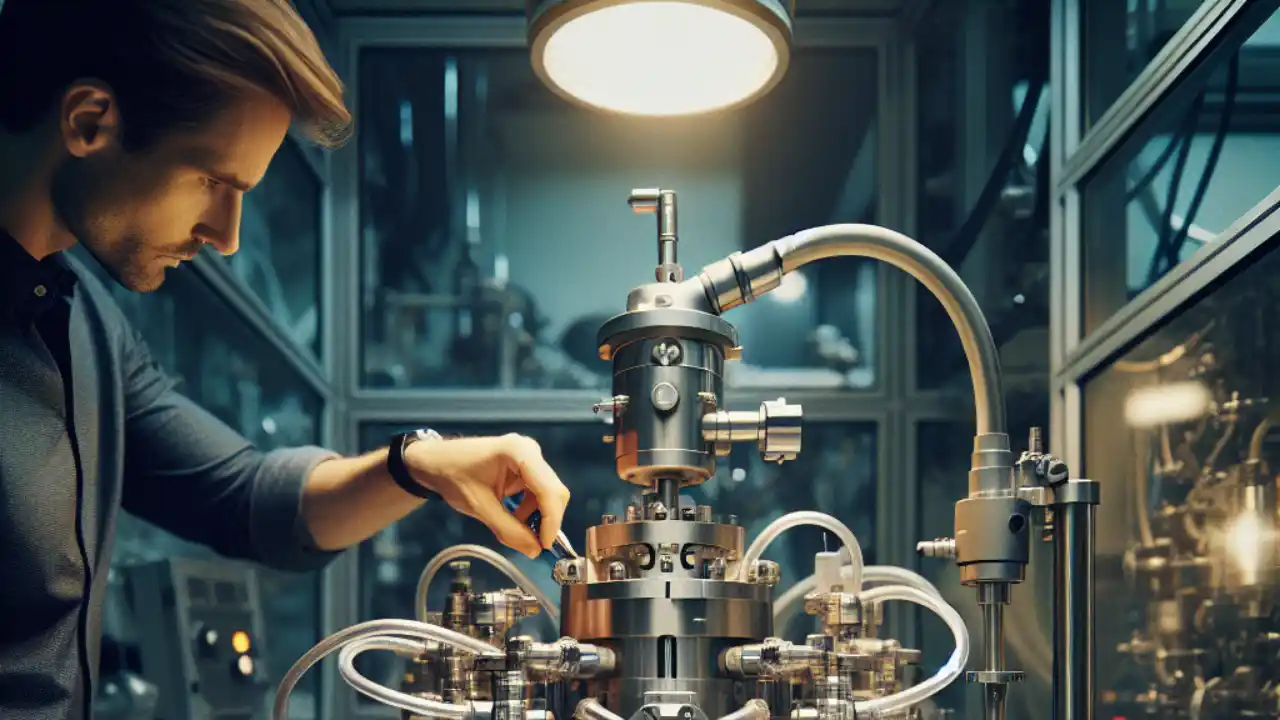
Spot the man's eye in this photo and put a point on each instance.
(211, 183)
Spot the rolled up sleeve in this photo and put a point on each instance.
(189, 473)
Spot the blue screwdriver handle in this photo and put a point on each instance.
(560, 549)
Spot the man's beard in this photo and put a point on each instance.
(80, 193)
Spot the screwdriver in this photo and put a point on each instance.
(561, 548)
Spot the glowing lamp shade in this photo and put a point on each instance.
(660, 58)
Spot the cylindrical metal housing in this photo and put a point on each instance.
(669, 364)
(992, 539)
(668, 621)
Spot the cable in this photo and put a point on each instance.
(1174, 249)
(966, 237)
(1142, 183)
(1165, 231)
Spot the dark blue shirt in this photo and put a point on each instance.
(90, 424)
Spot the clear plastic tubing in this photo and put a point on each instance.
(806, 517)
(386, 695)
(500, 563)
(373, 628)
(946, 674)
(871, 575)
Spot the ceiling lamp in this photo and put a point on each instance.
(660, 58)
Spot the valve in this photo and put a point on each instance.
(776, 427)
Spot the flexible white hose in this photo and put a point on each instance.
(805, 517)
(791, 601)
(500, 563)
(386, 695)
(945, 675)
(408, 628)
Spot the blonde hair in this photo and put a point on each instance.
(170, 63)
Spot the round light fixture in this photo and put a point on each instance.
(660, 58)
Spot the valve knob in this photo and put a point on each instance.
(781, 426)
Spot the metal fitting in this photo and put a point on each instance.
(764, 572)
(939, 548)
(570, 571)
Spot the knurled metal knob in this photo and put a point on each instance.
(781, 426)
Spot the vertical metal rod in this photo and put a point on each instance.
(667, 230)
(1073, 607)
(993, 630)
(992, 597)
(668, 491)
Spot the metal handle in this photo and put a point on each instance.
(663, 203)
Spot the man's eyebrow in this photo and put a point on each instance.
(231, 180)
(206, 161)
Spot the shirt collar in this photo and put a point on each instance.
(29, 287)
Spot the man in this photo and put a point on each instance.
(135, 127)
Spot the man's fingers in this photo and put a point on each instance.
(542, 482)
(528, 504)
(510, 531)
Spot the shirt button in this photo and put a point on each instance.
(41, 290)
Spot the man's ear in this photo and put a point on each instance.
(89, 118)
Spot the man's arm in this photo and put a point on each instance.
(348, 500)
(189, 473)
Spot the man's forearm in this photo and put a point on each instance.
(348, 500)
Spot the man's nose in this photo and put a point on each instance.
(222, 230)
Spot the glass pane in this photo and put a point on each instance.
(981, 200)
(1183, 178)
(1119, 39)
(1179, 429)
(489, 205)
(279, 256)
(232, 372)
(836, 473)
(943, 452)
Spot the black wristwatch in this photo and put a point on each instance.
(400, 472)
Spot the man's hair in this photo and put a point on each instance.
(170, 63)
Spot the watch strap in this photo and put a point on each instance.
(399, 471)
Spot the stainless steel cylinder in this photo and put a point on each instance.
(1073, 608)
(668, 621)
(668, 381)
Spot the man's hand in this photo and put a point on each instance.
(473, 475)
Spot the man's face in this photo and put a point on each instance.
(142, 212)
